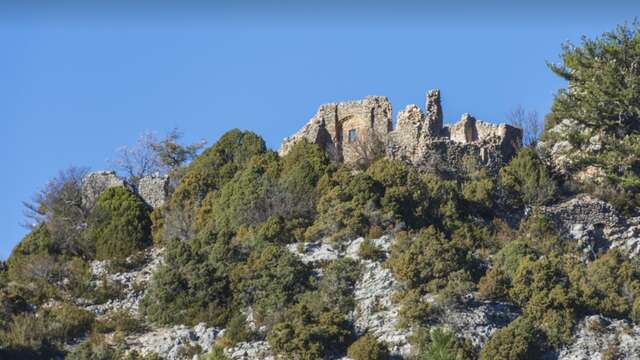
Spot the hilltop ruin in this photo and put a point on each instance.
(420, 137)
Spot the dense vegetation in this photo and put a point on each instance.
(237, 206)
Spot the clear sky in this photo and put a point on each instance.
(78, 79)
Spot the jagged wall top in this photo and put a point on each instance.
(338, 127)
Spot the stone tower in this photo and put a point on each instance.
(433, 110)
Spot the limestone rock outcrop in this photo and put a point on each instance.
(344, 130)
(598, 337)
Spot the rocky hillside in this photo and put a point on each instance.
(238, 252)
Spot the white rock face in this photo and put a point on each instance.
(477, 321)
(250, 351)
(167, 342)
(596, 336)
(134, 283)
(376, 313)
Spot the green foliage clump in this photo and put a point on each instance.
(119, 224)
(42, 334)
(269, 281)
(338, 282)
(217, 353)
(603, 100)
(442, 344)
(603, 80)
(609, 284)
(370, 251)
(542, 287)
(526, 180)
(427, 261)
(310, 329)
(192, 285)
(368, 347)
(520, 340)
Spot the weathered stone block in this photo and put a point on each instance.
(97, 182)
(154, 190)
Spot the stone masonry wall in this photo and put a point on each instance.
(419, 138)
(331, 124)
(154, 190)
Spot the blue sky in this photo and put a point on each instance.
(79, 80)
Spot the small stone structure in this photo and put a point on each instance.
(154, 189)
(96, 183)
(340, 127)
(419, 138)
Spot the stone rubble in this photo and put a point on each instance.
(595, 225)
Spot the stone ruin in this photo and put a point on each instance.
(419, 138)
(154, 189)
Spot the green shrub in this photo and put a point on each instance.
(442, 344)
(368, 250)
(236, 331)
(269, 281)
(494, 285)
(414, 310)
(542, 287)
(217, 353)
(205, 175)
(66, 322)
(367, 347)
(119, 224)
(609, 284)
(309, 329)
(122, 321)
(520, 340)
(526, 180)
(338, 282)
(192, 285)
(427, 260)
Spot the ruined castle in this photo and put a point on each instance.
(344, 129)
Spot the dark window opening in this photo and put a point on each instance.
(352, 135)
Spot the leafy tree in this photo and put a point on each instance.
(604, 79)
(269, 281)
(368, 347)
(526, 180)
(119, 224)
(520, 340)
(310, 329)
(427, 260)
(192, 285)
(57, 216)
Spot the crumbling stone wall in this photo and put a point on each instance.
(154, 190)
(419, 138)
(96, 183)
(333, 123)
